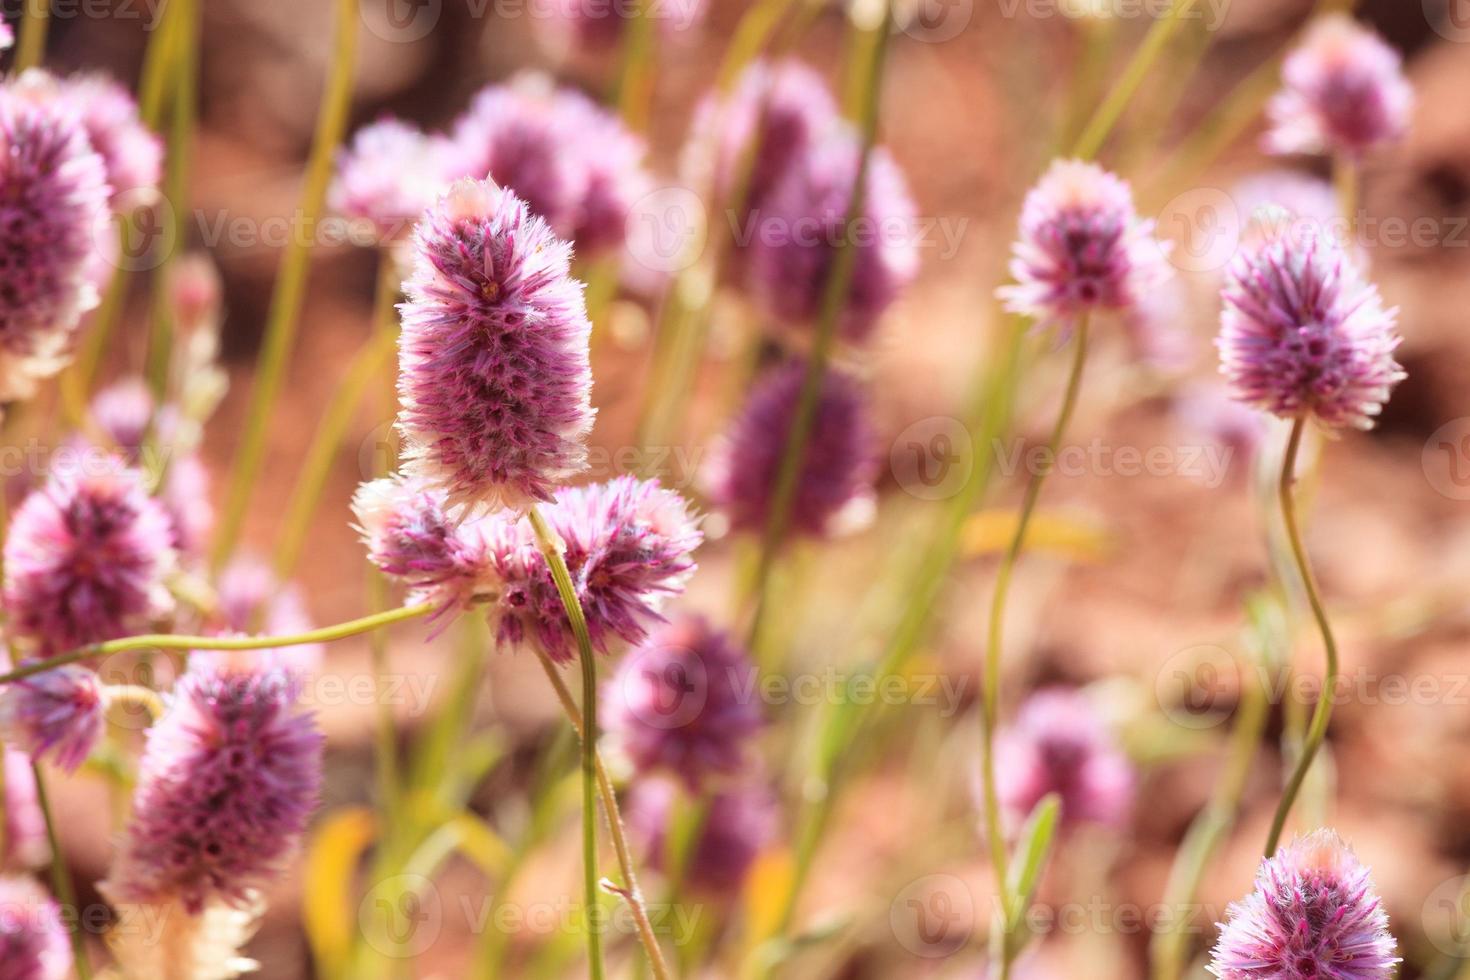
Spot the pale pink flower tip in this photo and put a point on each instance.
(390, 174)
(1313, 915)
(56, 713)
(1082, 248)
(410, 539)
(1345, 92)
(1059, 744)
(133, 154)
(33, 939)
(494, 378)
(1303, 333)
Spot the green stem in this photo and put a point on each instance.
(31, 45)
(61, 881)
(1345, 183)
(871, 40)
(633, 86)
(1322, 714)
(551, 547)
(173, 641)
(290, 289)
(1111, 110)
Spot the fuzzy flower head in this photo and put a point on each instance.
(1059, 744)
(25, 844)
(56, 713)
(1345, 92)
(494, 377)
(1313, 915)
(1304, 334)
(683, 702)
(597, 27)
(796, 232)
(53, 201)
(228, 779)
(132, 154)
(390, 174)
(1082, 248)
(87, 558)
(410, 539)
(252, 600)
(629, 546)
(739, 823)
(834, 490)
(33, 940)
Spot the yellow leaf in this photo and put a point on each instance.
(990, 531)
(766, 888)
(327, 908)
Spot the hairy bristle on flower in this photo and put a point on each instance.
(1313, 915)
(33, 938)
(410, 539)
(494, 378)
(390, 174)
(55, 714)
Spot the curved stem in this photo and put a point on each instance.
(136, 696)
(990, 699)
(61, 882)
(551, 548)
(290, 289)
(1322, 714)
(172, 641)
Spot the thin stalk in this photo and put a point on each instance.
(1345, 183)
(61, 882)
(175, 641)
(990, 698)
(1107, 115)
(1322, 714)
(551, 548)
(630, 891)
(871, 40)
(290, 289)
(30, 47)
(633, 86)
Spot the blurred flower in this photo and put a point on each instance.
(793, 237)
(598, 26)
(574, 163)
(1059, 744)
(390, 174)
(25, 844)
(834, 489)
(629, 545)
(194, 291)
(738, 823)
(7, 36)
(252, 600)
(228, 778)
(33, 940)
(1157, 328)
(1303, 333)
(494, 377)
(1082, 248)
(56, 712)
(132, 154)
(410, 539)
(1207, 411)
(685, 701)
(1304, 197)
(53, 199)
(124, 412)
(1313, 914)
(86, 559)
(1345, 92)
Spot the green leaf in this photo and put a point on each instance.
(1033, 849)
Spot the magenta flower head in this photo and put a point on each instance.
(796, 232)
(228, 779)
(685, 701)
(1059, 744)
(410, 539)
(834, 490)
(25, 844)
(33, 940)
(1303, 333)
(132, 154)
(494, 378)
(739, 823)
(390, 174)
(87, 559)
(1313, 914)
(596, 27)
(53, 201)
(629, 547)
(251, 600)
(1345, 93)
(1082, 248)
(57, 713)
(7, 36)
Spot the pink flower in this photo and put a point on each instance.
(33, 939)
(739, 823)
(390, 174)
(1313, 915)
(133, 154)
(1345, 92)
(57, 712)
(253, 601)
(494, 377)
(410, 539)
